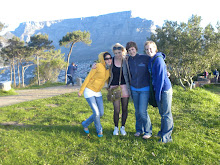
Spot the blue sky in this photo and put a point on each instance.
(13, 12)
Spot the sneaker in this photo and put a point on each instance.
(115, 132)
(123, 131)
(137, 134)
(146, 137)
(100, 134)
(86, 130)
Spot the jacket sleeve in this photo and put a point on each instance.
(88, 78)
(159, 77)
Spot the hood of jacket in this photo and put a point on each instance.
(159, 54)
(101, 58)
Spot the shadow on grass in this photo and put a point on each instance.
(73, 128)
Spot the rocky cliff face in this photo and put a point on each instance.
(105, 31)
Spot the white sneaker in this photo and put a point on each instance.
(115, 132)
(123, 131)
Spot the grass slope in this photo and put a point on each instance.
(49, 131)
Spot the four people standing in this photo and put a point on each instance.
(139, 68)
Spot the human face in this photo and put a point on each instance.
(118, 54)
(132, 51)
(150, 50)
(108, 60)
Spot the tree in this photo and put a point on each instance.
(211, 44)
(185, 48)
(51, 65)
(13, 53)
(2, 26)
(71, 39)
(39, 43)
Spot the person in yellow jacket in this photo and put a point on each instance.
(91, 88)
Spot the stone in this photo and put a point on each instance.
(5, 85)
(79, 81)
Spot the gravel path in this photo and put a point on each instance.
(33, 94)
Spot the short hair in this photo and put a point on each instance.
(131, 44)
(151, 43)
(118, 45)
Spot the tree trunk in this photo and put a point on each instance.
(191, 83)
(38, 73)
(22, 75)
(24, 68)
(19, 79)
(181, 83)
(68, 59)
(11, 71)
(13, 64)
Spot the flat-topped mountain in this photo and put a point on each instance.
(105, 30)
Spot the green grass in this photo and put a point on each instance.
(49, 131)
(8, 93)
(48, 84)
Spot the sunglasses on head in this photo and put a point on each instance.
(117, 48)
(108, 58)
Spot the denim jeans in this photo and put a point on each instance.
(70, 80)
(96, 104)
(164, 107)
(143, 122)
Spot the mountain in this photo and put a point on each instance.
(105, 31)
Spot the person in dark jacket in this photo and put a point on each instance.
(140, 79)
(70, 73)
(163, 90)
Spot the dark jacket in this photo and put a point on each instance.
(160, 80)
(138, 66)
(71, 70)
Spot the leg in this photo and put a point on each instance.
(166, 116)
(143, 102)
(124, 102)
(135, 96)
(96, 105)
(72, 81)
(69, 80)
(116, 105)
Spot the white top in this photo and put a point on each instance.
(89, 93)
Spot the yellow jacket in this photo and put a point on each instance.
(96, 78)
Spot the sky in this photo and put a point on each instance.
(14, 12)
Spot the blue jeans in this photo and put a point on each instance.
(143, 122)
(96, 104)
(164, 107)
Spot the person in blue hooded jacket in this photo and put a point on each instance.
(163, 89)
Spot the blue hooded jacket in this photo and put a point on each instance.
(140, 76)
(160, 80)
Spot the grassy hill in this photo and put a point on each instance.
(49, 131)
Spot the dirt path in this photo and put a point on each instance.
(33, 94)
